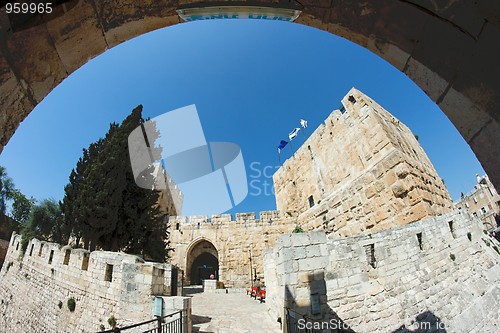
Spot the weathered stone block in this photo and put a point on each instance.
(399, 189)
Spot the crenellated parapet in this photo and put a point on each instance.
(101, 283)
(439, 263)
(270, 216)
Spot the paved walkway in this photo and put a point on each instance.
(229, 313)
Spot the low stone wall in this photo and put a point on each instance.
(209, 286)
(35, 288)
(442, 271)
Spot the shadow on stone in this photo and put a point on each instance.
(426, 322)
(191, 290)
(199, 320)
(310, 312)
(307, 310)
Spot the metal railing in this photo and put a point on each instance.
(171, 323)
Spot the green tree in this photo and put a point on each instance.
(8, 193)
(7, 190)
(45, 222)
(106, 207)
(72, 202)
(21, 207)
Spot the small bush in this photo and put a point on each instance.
(71, 304)
(469, 236)
(298, 229)
(101, 327)
(452, 257)
(60, 304)
(112, 321)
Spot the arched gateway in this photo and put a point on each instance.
(202, 260)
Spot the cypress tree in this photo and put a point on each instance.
(106, 207)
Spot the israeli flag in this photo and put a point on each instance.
(293, 133)
(282, 145)
(303, 123)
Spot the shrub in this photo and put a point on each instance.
(112, 321)
(452, 257)
(101, 327)
(60, 304)
(71, 304)
(469, 236)
(298, 229)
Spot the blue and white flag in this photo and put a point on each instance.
(293, 133)
(282, 145)
(303, 123)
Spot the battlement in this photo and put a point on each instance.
(97, 270)
(45, 278)
(269, 216)
(355, 107)
(432, 264)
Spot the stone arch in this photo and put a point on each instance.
(448, 48)
(202, 259)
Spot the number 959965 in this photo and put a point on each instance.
(28, 7)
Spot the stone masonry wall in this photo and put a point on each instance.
(31, 287)
(443, 271)
(233, 241)
(365, 171)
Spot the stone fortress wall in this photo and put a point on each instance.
(440, 270)
(234, 242)
(102, 283)
(363, 170)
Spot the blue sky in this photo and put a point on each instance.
(251, 82)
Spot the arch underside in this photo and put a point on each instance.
(202, 260)
(448, 48)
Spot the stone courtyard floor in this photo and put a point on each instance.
(234, 312)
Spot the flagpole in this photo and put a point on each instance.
(291, 147)
(279, 159)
